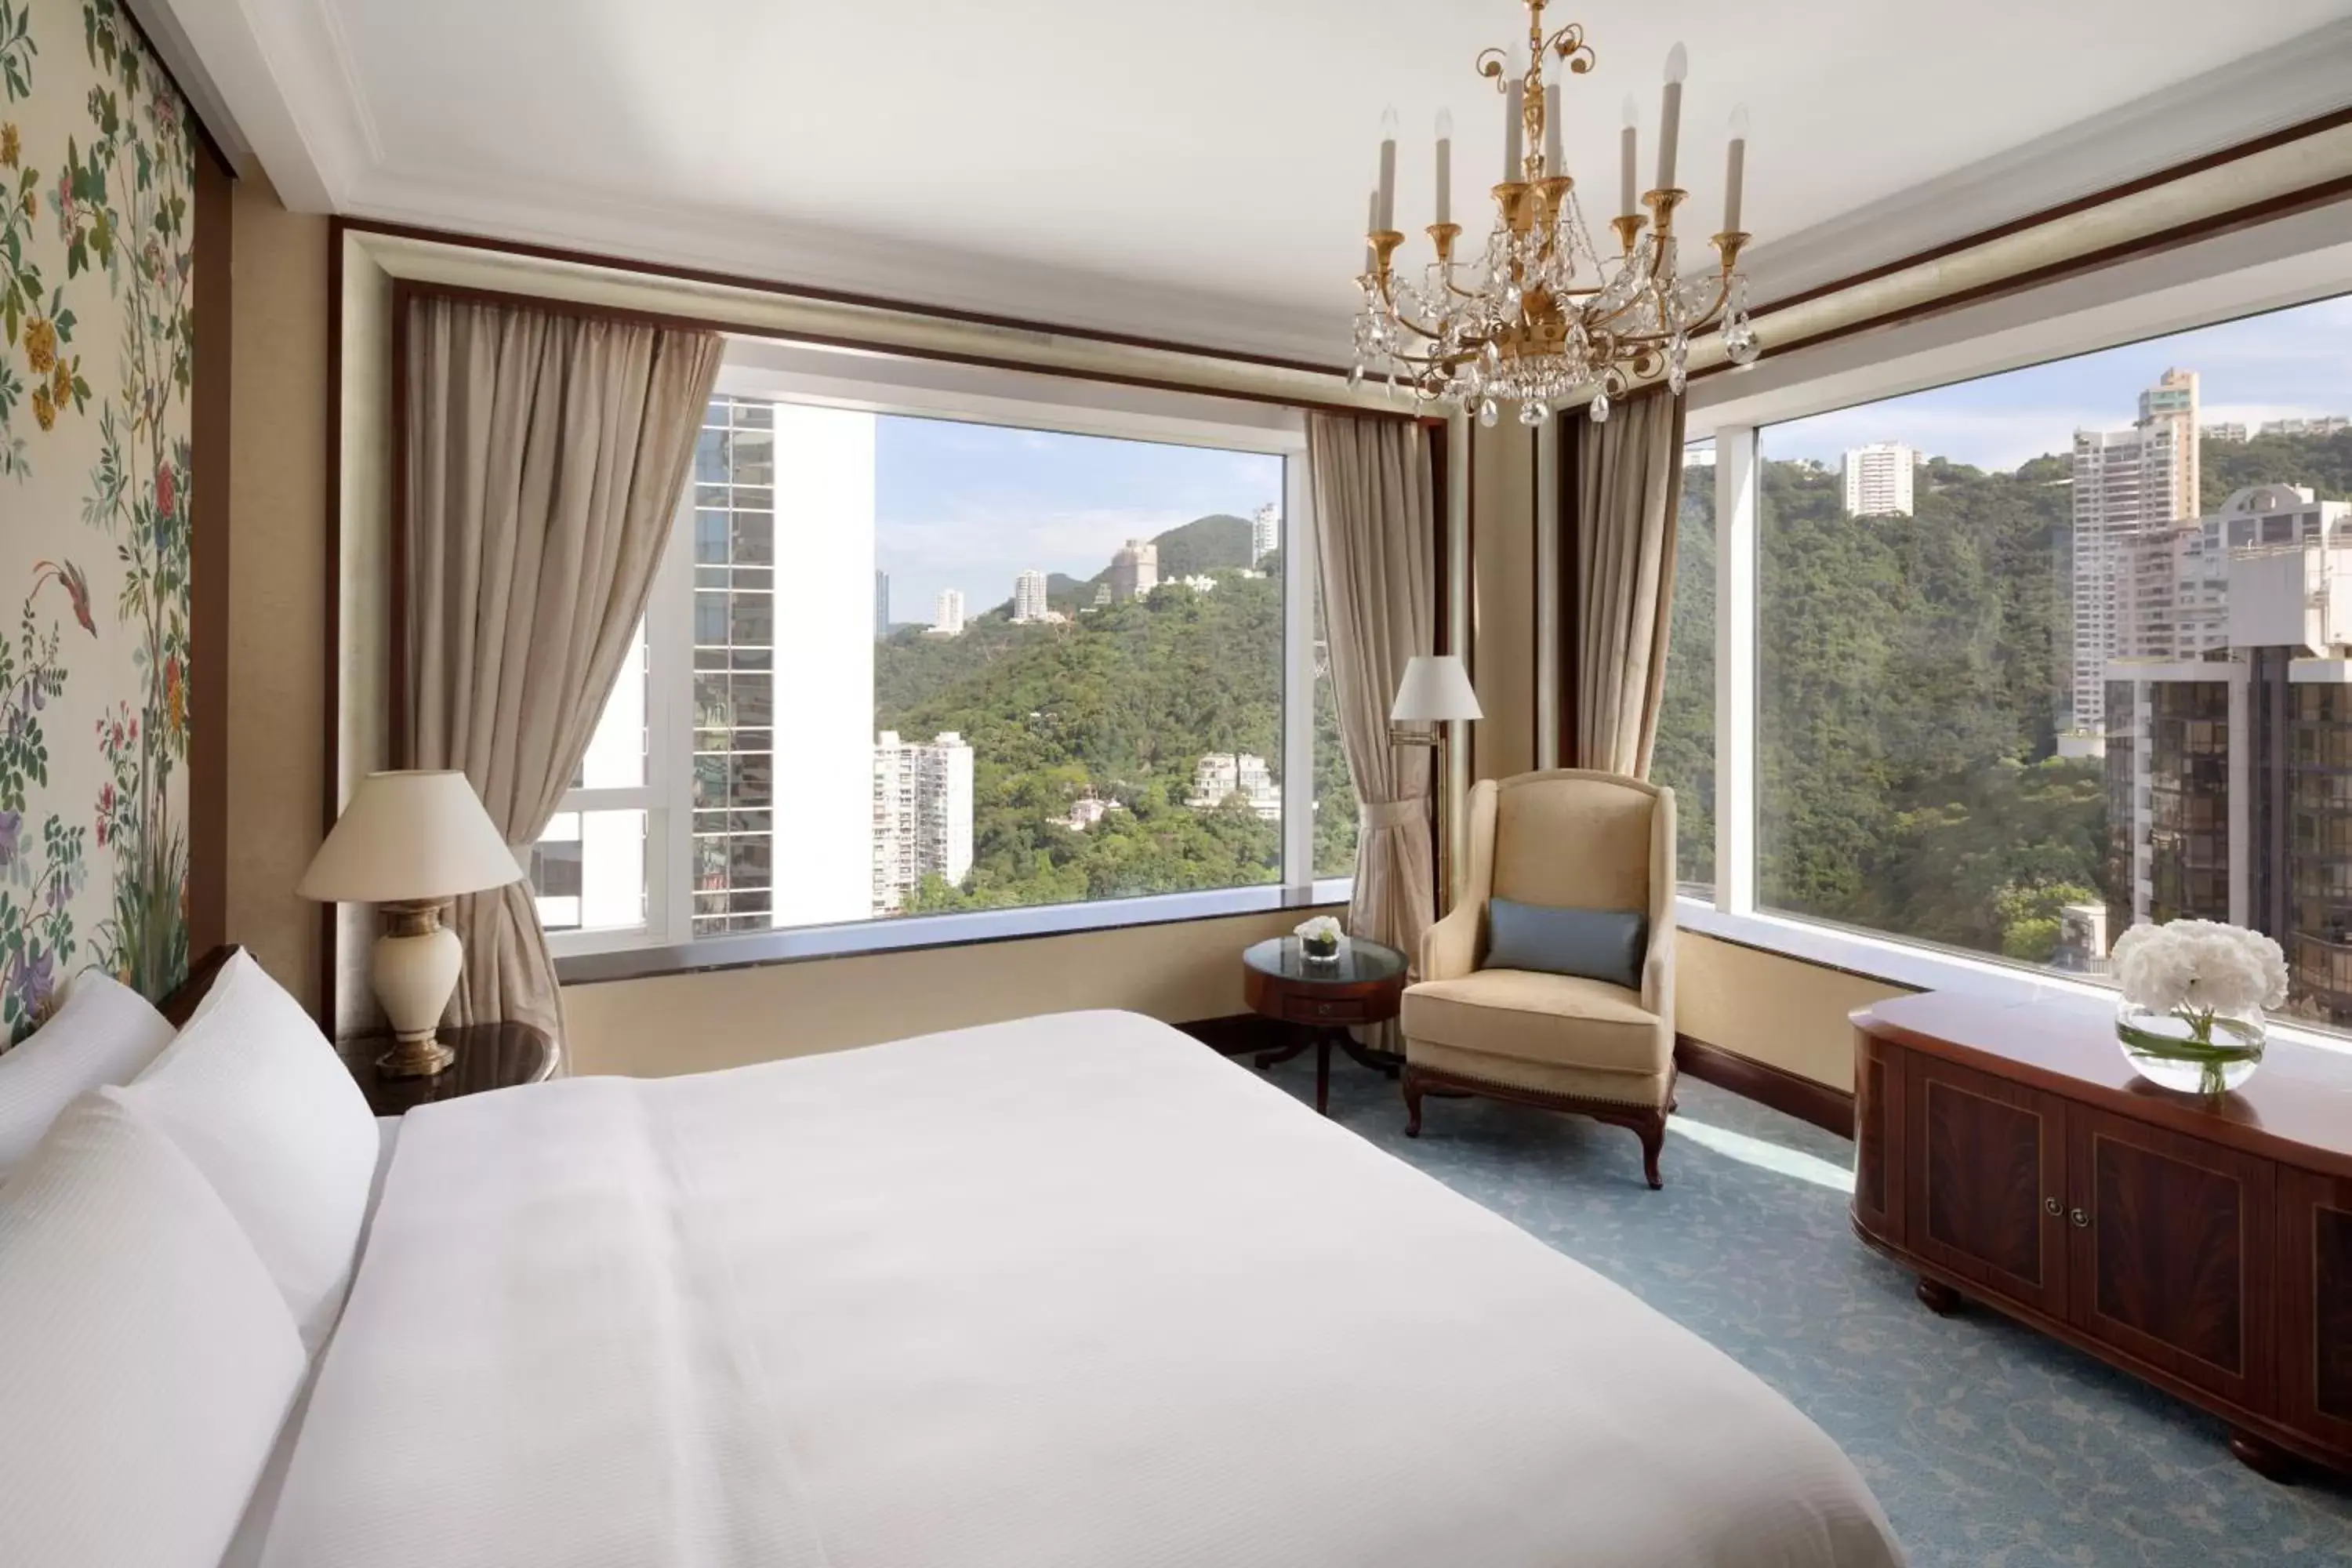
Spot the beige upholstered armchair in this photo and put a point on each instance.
(1567, 838)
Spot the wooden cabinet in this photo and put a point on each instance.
(2172, 1255)
(1984, 1182)
(2010, 1156)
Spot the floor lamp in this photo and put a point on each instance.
(1435, 691)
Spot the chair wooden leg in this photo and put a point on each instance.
(1412, 1086)
(1654, 1141)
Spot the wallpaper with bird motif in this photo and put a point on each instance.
(96, 337)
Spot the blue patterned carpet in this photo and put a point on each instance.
(1986, 1443)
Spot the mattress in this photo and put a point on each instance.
(1071, 1292)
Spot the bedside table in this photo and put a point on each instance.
(1364, 985)
(490, 1055)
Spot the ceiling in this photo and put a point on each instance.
(1196, 171)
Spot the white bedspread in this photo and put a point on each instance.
(1066, 1293)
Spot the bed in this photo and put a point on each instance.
(1070, 1292)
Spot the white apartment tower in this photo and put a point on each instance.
(922, 815)
(1878, 479)
(947, 619)
(1265, 533)
(1029, 597)
(1135, 569)
(2126, 482)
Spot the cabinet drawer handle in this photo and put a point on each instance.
(1323, 1009)
(2050, 1204)
(2080, 1219)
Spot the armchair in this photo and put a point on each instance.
(1566, 838)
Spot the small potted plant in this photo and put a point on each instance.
(1319, 940)
(2193, 996)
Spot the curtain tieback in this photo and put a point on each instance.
(1379, 815)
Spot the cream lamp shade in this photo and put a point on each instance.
(412, 841)
(410, 838)
(1435, 688)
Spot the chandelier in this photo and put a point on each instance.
(1542, 315)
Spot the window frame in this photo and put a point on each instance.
(1733, 420)
(767, 369)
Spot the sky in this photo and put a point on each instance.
(2296, 361)
(971, 506)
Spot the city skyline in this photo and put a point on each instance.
(970, 507)
(2280, 366)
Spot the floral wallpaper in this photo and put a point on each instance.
(96, 340)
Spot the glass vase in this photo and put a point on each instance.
(2195, 1052)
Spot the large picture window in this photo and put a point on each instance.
(2045, 653)
(902, 664)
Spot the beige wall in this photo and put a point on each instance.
(277, 554)
(721, 1018)
(1775, 1010)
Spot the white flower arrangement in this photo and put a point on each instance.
(2196, 969)
(1320, 936)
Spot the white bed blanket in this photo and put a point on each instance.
(1071, 1292)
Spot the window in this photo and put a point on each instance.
(1684, 756)
(2041, 655)
(900, 663)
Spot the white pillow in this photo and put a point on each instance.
(104, 1033)
(147, 1361)
(255, 1095)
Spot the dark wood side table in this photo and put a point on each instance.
(490, 1055)
(1365, 985)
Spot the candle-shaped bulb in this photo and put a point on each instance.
(1735, 170)
(1385, 212)
(1633, 112)
(1555, 162)
(1669, 115)
(1517, 69)
(1512, 103)
(1445, 165)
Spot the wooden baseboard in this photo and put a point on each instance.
(1788, 1092)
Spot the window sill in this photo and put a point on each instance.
(1922, 968)
(809, 943)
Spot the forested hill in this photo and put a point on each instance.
(1120, 703)
(2322, 463)
(1198, 548)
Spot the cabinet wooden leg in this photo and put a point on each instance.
(1937, 1296)
(2262, 1457)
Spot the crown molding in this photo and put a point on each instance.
(2241, 102)
(846, 261)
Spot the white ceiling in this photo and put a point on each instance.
(1197, 170)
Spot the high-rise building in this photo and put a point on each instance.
(1029, 597)
(1221, 775)
(881, 604)
(813, 469)
(1878, 479)
(922, 816)
(947, 618)
(2126, 482)
(1265, 533)
(1135, 569)
(2225, 757)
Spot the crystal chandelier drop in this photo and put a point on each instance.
(1542, 315)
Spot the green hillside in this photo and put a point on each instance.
(1217, 542)
(1119, 703)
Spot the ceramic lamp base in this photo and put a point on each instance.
(415, 968)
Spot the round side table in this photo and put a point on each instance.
(1364, 985)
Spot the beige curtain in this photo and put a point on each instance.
(1377, 551)
(545, 456)
(1621, 492)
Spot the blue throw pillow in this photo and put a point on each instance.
(1596, 945)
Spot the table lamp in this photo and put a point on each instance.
(1435, 691)
(412, 841)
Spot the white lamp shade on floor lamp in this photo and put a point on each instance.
(1435, 689)
(412, 841)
